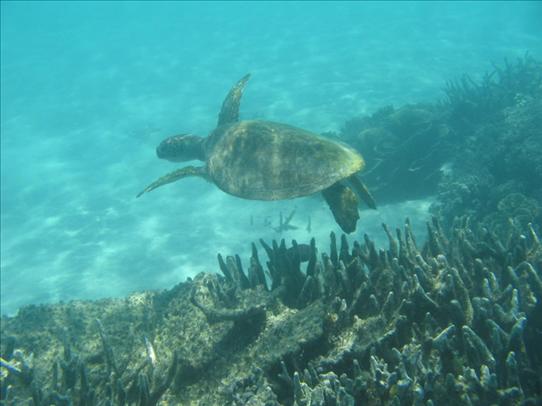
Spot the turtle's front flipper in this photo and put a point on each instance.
(362, 191)
(175, 176)
(229, 113)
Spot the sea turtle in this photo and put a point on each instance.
(265, 160)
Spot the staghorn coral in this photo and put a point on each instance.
(472, 101)
(457, 321)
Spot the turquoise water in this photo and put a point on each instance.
(88, 89)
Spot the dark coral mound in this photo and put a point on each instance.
(477, 151)
(404, 150)
(457, 321)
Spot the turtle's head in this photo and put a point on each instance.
(179, 148)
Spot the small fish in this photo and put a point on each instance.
(151, 355)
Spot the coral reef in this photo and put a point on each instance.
(477, 148)
(472, 101)
(405, 146)
(457, 321)
(498, 163)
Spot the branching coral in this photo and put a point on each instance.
(457, 321)
(472, 101)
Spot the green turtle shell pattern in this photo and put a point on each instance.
(264, 160)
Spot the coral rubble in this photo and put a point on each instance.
(457, 321)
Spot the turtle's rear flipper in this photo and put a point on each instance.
(175, 176)
(343, 203)
(362, 191)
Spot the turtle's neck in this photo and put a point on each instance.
(196, 147)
